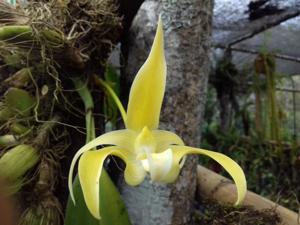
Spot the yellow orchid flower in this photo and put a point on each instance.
(143, 147)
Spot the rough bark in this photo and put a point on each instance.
(187, 25)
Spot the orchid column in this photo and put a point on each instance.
(187, 25)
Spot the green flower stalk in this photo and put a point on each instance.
(141, 145)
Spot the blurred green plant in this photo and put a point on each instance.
(258, 138)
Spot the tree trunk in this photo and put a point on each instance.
(187, 25)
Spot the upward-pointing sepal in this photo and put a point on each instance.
(147, 90)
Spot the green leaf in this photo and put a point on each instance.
(78, 214)
(19, 101)
(5, 114)
(113, 211)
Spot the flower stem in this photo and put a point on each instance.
(114, 97)
(87, 99)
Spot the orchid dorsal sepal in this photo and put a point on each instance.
(141, 145)
(145, 100)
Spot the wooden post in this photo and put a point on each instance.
(215, 186)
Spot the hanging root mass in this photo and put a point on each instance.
(43, 45)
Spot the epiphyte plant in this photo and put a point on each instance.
(141, 145)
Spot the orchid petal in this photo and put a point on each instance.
(90, 168)
(165, 138)
(121, 138)
(147, 90)
(134, 173)
(227, 163)
(89, 171)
